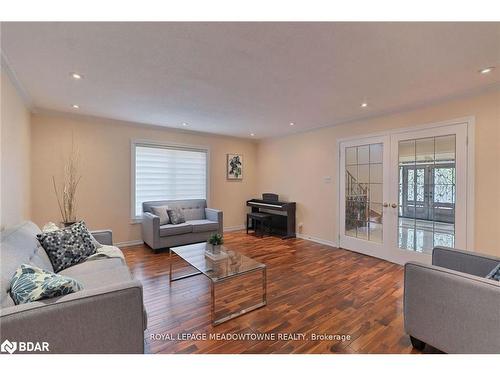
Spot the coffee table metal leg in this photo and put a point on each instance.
(244, 311)
(212, 292)
(264, 285)
(171, 278)
(170, 261)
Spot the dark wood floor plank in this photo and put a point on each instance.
(312, 289)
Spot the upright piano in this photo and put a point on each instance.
(282, 213)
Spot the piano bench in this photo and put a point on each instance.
(260, 218)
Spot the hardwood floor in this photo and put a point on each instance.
(312, 289)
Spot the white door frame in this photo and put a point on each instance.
(470, 165)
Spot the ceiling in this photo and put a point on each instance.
(242, 78)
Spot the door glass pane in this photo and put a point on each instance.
(376, 153)
(351, 157)
(426, 213)
(363, 192)
(376, 175)
(364, 174)
(363, 154)
(424, 150)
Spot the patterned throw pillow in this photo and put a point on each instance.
(68, 246)
(32, 284)
(161, 212)
(495, 273)
(176, 216)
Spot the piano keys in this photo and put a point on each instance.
(282, 213)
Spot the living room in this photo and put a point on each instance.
(255, 187)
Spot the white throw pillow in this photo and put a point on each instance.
(50, 227)
(161, 212)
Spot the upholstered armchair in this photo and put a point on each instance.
(451, 305)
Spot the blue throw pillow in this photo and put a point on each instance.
(32, 284)
(495, 273)
(176, 216)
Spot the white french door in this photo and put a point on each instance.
(404, 193)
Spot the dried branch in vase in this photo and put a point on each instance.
(66, 197)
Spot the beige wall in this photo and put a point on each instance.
(295, 166)
(104, 193)
(15, 155)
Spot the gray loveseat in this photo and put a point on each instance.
(201, 222)
(450, 305)
(107, 316)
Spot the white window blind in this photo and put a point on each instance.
(163, 173)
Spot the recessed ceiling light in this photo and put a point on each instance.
(75, 106)
(486, 70)
(292, 123)
(364, 104)
(76, 76)
(252, 134)
(185, 124)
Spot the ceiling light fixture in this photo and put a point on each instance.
(184, 124)
(487, 70)
(252, 134)
(76, 76)
(292, 123)
(364, 105)
(75, 106)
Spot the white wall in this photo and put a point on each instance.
(15, 173)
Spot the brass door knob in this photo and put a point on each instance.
(394, 205)
(386, 204)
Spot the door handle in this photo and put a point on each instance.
(386, 204)
(394, 205)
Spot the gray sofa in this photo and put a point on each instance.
(201, 222)
(107, 316)
(450, 305)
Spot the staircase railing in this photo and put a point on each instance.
(357, 208)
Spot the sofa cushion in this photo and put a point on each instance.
(68, 246)
(176, 216)
(90, 266)
(193, 209)
(495, 273)
(100, 278)
(203, 225)
(31, 283)
(161, 212)
(19, 245)
(172, 230)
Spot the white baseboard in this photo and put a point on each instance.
(234, 228)
(241, 227)
(317, 240)
(128, 243)
(140, 242)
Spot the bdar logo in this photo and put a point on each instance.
(8, 346)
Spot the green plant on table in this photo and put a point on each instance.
(216, 239)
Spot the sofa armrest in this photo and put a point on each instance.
(104, 237)
(464, 261)
(151, 229)
(103, 320)
(215, 215)
(452, 311)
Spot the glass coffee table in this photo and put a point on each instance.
(230, 265)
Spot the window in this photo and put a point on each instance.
(163, 172)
